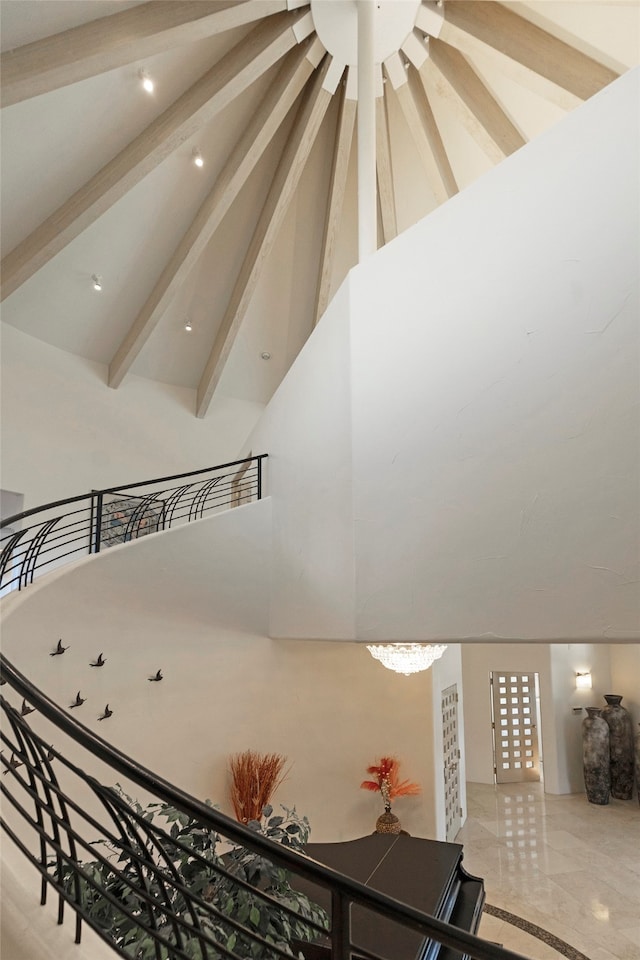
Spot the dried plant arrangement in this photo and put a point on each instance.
(254, 779)
(387, 781)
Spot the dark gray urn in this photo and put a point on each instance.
(620, 746)
(595, 755)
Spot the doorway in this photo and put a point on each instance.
(451, 760)
(514, 723)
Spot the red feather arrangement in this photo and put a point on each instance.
(387, 780)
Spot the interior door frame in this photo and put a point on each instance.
(531, 745)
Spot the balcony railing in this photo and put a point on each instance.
(39, 540)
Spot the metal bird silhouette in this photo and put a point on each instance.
(78, 701)
(2, 681)
(59, 650)
(26, 709)
(100, 662)
(14, 762)
(50, 755)
(157, 677)
(107, 713)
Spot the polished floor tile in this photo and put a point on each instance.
(570, 867)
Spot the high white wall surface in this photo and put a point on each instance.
(65, 432)
(492, 391)
(495, 399)
(306, 430)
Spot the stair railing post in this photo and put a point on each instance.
(340, 926)
(259, 478)
(96, 505)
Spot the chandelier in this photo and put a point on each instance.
(406, 657)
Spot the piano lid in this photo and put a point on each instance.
(426, 874)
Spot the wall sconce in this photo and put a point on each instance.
(583, 681)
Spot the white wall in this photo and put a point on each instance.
(306, 430)
(566, 661)
(194, 602)
(492, 393)
(65, 432)
(495, 399)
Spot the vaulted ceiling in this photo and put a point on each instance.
(99, 179)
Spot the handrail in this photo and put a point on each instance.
(65, 529)
(345, 888)
(128, 486)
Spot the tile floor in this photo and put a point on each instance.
(571, 867)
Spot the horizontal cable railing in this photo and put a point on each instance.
(201, 885)
(40, 540)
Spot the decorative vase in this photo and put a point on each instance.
(387, 822)
(638, 763)
(620, 746)
(595, 754)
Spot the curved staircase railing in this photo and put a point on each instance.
(39, 540)
(129, 879)
(201, 885)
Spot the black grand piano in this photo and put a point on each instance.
(425, 874)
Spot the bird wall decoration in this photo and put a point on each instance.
(78, 701)
(59, 650)
(107, 713)
(26, 709)
(156, 678)
(100, 662)
(14, 762)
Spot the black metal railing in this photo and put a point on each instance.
(39, 540)
(203, 887)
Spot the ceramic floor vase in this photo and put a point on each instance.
(596, 758)
(620, 745)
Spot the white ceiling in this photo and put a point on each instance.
(53, 143)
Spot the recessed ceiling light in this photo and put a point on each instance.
(265, 355)
(97, 281)
(198, 158)
(188, 326)
(147, 82)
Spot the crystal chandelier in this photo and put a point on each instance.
(406, 657)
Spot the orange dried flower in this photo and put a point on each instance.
(387, 780)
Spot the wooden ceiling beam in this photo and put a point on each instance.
(126, 37)
(337, 188)
(457, 82)
(522, 41)
(283, 187)
(386, 191)
(266, 119)
(422, 125)
(236, 71)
